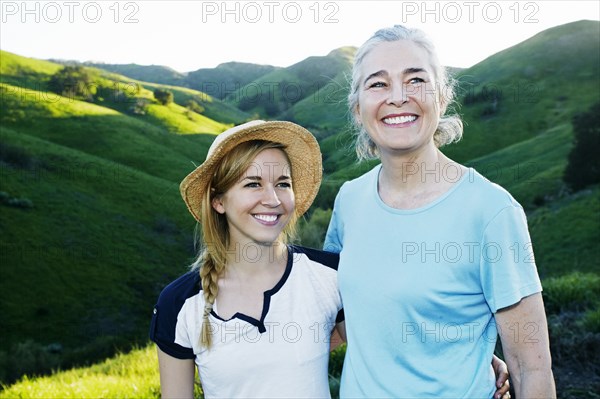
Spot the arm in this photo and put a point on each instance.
(176, 376)
(524, 334)
(501, 372)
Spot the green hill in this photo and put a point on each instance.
(145, 73)
(275, 93)
(524, 90)
(216, 82)
(121, 93)
(221, 81)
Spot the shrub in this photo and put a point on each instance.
(575, 292)
(16, 156)
(74, 82)
(164, 97)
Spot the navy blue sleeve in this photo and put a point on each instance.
(329, 259)
(164, 317)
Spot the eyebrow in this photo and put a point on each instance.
(407, 71)
(259, 178)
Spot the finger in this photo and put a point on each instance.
(502, 378)
(502, 391)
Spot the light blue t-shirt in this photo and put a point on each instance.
(420, 287)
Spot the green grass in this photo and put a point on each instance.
(565, 234)
(98, 244)
(177, 119)
(132, 375)
(531, 170)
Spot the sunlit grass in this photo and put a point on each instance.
(132, 375)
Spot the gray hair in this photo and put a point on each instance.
(450, 127)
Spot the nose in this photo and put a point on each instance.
(270, 197)
(398, 94)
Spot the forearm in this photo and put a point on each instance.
(527, 355)
(530, 384)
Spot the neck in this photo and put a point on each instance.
(412, 171)
(253, 258)
(409, 182)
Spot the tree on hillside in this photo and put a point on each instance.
(163, 96)
(583, 168)
(74, 82)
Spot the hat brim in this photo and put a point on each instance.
(301, 148)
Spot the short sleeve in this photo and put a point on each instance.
(167, 326)
(334, 237)
(508, 270)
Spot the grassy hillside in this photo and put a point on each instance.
(120, 93)
(100, 131)
(87, 243)
(522, 91)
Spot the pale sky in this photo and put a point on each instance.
(188, 35)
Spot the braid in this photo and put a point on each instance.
(209, 275)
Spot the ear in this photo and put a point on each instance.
(217, 204)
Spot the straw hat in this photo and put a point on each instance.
(302, 150)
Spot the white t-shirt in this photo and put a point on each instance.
(284, 354)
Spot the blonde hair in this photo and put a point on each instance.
(450, 127)
(215, 242)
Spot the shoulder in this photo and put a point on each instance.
(179, 290)
(317, 256)
(357, 190)
(361, 181)
(489, 193)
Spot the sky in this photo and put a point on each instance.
(189, 35)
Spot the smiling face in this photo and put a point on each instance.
(398, 101)
(261, 203)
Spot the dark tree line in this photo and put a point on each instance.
(583, 168)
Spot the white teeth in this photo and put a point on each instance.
(266, 218)
(400, 119)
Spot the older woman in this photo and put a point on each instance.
(435, 260)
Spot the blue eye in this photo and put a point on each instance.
(252, 185)
(416, 80)
(285, 185)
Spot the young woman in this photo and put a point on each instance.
(435, 260)
(254, 314)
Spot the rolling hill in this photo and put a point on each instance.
(91, 220)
